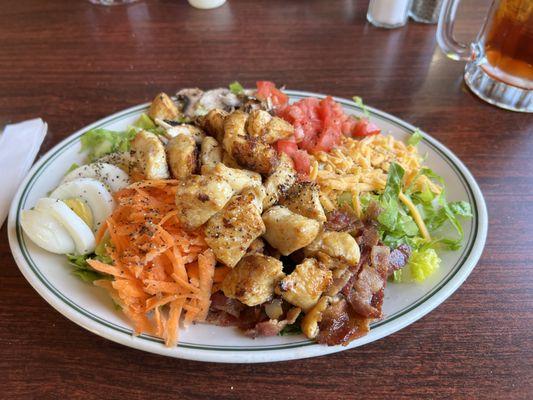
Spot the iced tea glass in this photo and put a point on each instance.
(499, 65)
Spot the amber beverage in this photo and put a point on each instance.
(499, 65)
(509, 44)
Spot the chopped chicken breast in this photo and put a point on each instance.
(213, 123)
(182, 156)
(163, 107)
(340, 245)
(199, 197)
(231, 231)
(210, 153)
(287, 231)
(253, 279)
(238, 179)
(149, 156)
(304, 198)
(304, 286)
(250, 152)
(283, 177)
(186, 129)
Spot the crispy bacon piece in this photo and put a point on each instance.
(342, 220)
(367, 292)
(219, 302)
(340, 325)
(272, 327)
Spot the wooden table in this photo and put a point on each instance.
(71, 63)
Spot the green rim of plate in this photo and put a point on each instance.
(62, 147)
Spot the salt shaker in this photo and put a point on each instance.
(388, 13)
(206, 4)
(425, 11)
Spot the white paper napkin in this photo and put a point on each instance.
(19, 145)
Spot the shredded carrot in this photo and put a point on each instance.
(161, 275)
(100, 233)
(206, 269)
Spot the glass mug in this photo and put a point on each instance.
(499, 65)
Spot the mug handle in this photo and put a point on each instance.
(451, 47)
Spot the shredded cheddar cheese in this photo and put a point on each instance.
(361, 166)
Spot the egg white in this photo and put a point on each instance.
(46, 232)
(92, 192)
(110, 175)
(78, 230)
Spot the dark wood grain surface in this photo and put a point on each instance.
(71, 63)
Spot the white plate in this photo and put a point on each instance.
(92, 309)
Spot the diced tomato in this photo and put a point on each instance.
(302, 163)
(286, 146)
(365, 128)
(348, 126)
(266, 89)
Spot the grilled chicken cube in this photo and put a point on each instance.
(253, 154)
(234, 129)
(229, 161)
(231, 231)
(257, 122)
(238, 179)
(182, 156)
(163, 107)
(287, 231)
(340, 245)
(283, 177)
(199, 197)
(186, 129)
(213, 123)
(257, 246)
(304, 286)
(149, 157)
(304, 198)
(259, 196)
(269, 129)
(250, 152)
(210, 153)
(277, 129)
(253, 279)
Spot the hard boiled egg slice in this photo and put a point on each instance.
(111, 176)
(82, 210)
(81, 234)
(46, 232)
(93, 193)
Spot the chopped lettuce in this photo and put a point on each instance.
(397, 226)
(82, 269)
(359, 102)
(438, 212)
(72, 167)
(293, 329)
(422, 263)
(144, 122)
(236, 88)
(99, 142)
(415, 138)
